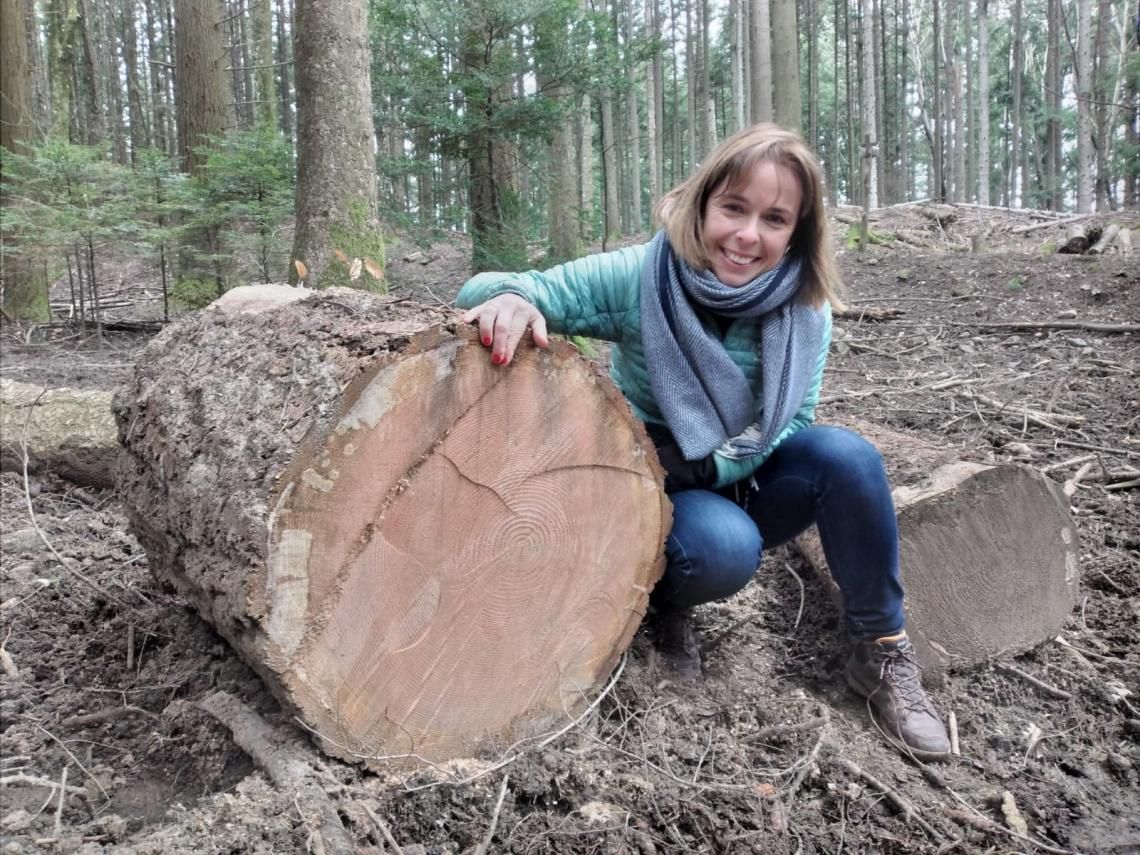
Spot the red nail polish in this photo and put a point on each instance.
(487, 341)
(494, 359)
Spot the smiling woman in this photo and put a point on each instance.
(721, 326)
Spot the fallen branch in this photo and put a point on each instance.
(1051, 691)
(893, 797)
(1024, 230)
(486, 842)
(284, 765)
(1090, 326)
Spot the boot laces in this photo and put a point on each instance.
(900, 670)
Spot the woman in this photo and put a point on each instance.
(721, 326)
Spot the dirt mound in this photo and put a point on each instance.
(769, 753)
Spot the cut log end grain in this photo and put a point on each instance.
(988, 554)
(454, 554)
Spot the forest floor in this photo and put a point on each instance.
(767, 753)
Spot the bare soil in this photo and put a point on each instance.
(768, 753)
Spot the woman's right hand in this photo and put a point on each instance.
(502, 321)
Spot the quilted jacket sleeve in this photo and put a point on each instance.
(730, 471)
(590, 296)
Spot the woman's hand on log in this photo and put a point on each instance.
(502, 321)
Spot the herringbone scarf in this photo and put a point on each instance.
(704, 396)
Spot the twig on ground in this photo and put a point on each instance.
(1090, 326)
(1065, 464)
(1119, 452)
(47, 783)
(285, 765)
(972, 816)
(1071, 485)
(1123, 485)
(1051, 691)
(800, 582)
(58, 827)
(383, 828)
(785, 729)
(809, 761)
(900, 804)
(74, 759)
(486, 842)
(955, 748)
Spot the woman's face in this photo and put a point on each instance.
(747, 226)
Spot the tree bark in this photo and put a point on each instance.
(336, 175)
(612, 227)
(421, 553)
(983, 105)
(266, 90)
(1084, 111)
(786, 64)
(202, 93)
(760, 37)
(869, 98)
(25, 285)
(1015, 134)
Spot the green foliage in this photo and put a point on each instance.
(71, 204)
(189, 292)
(239, 203)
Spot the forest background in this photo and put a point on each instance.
(229, 141)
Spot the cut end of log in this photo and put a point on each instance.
(455, 553)
(467, 546)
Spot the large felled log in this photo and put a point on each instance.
(420, 552)
(69, 431)
(988, 554)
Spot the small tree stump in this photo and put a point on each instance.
(988, 554)
(421, 553)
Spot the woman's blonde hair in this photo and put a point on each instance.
(681, 211)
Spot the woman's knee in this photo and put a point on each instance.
(843, 455)
(713, 550)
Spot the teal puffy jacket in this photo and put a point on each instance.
(599, 296)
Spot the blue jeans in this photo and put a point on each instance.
(823, 475)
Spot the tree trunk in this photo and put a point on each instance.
(422, 554)
(336, 177)
(1052, 100)
(266, 89)
(983, 105)
(957, 108)
(760, 31)
(25, 291)
(939, 192)
(95, 126)
(652, 108)
(285, 83)
(786, 64)
(1012, 582)
(736, 10)
(869, 97)
(633, 123)
(1084, 110)
(612, 226)
(1015, 134)
(136, 113)
(203, 88)
(1103, 95)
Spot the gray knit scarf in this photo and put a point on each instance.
(704, 396)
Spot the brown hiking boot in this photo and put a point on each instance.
(676, 643)
(885, 672)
